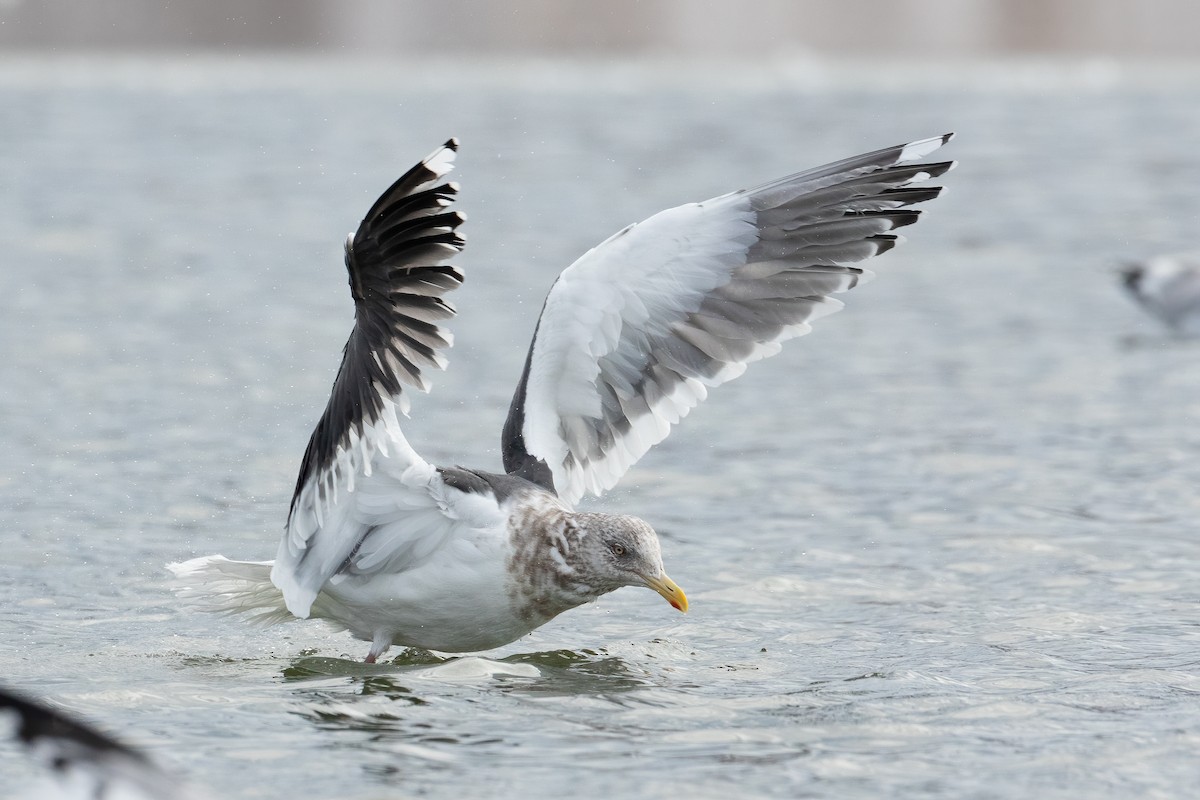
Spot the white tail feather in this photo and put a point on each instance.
(216, 584)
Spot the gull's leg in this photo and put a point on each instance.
(379, 646)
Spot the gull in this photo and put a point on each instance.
(631, 337)
(87, 764)
(1168, 287)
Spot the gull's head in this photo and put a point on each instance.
(1131, 274)
(618, 550)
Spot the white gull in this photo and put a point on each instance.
(1168, 287)
(631, 337)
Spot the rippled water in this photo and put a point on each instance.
(943, 547)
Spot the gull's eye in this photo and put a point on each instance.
(617, 549)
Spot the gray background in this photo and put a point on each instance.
(704, 28)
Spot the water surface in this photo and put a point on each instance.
(945, 546)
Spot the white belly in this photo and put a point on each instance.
(457, 601)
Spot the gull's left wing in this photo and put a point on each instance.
(634, 333)
(397, 281)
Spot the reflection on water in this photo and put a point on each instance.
(309, 666)
(388, 710)
(588, 672)
(558, 672)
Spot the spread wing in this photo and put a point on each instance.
(634, 333)
(359, 472)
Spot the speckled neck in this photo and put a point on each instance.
(542, 534)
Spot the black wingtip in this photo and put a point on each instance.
(452, 143)
(909, 195)
(885, 242)
(947, 137)
(901, 219)
(932, 169)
